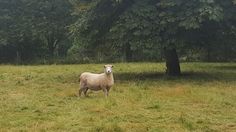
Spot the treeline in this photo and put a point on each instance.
(32, 30)
(79, 31)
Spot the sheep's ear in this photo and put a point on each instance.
(112, 66)
(105, 66)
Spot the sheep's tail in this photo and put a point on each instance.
(80, 77)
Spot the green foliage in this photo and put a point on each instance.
(116, 30)
(137, 27)
(33, 29)
(143, 28)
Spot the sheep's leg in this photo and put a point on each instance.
(82, 86)
(105, 92)
(85, 92)
(80, 91)
(108, 89)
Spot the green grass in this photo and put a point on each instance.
(42, 98)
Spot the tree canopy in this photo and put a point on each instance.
(118, 30)
(138, 29)
(32, 28)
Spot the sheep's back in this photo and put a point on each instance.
(91, 78)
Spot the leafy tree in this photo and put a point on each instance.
(134, 26)
(52, 18)
(118, 30)
(15, 26)
(32, 28)
(96, 20)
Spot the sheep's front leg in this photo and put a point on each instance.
(108, 89)
(105, 92)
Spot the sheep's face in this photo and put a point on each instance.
(108, 69)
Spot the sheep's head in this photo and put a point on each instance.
(108, 69)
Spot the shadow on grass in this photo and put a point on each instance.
(188, 76)
(138, 76)
(232, 67)
(216, 73)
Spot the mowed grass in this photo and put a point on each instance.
(42, 98)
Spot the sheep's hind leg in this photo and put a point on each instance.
(80, 91)
(85, 92)
(82, 86)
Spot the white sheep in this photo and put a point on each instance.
(103, 81)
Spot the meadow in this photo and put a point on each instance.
(42, 98)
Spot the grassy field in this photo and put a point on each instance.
(42, 98)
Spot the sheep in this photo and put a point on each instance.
(96, 82)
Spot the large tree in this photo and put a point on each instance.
(134, 26)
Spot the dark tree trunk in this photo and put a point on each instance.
(52, 44)
(209, 51)
(18, 57)
(226, 53)
(172, 62)
(128, 53)
(208, 55)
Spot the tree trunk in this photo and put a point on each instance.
(209, 59)
(128, 53)
(18, 57)
(172, 62)
(208, 55)
(52, 44)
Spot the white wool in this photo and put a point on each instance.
(97, 81)
(103, 81)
